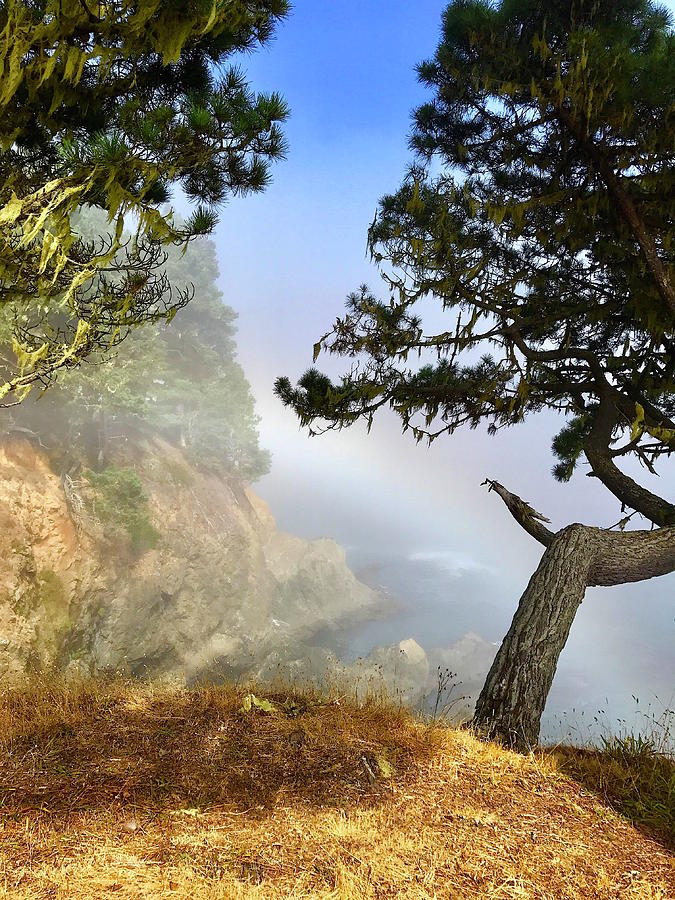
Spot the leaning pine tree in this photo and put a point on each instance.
(111, 105)
(547, 239)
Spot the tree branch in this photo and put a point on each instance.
(527, 517)
(625, 206)
(629, 492)
(559, 355)
(630, 556)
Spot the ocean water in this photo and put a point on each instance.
(433, 598)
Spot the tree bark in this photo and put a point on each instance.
(513, 698)
(623, 557)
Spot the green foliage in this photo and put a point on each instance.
(251, 702)
(568, 445)
(109, 106)
(385, 767)
(632, 776)
(119, 501)
(540, 215)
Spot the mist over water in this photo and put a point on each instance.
(444, 573)
(617, 665)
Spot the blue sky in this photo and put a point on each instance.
(347, 71)
(289, 257)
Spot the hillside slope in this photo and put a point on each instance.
(213, 591)
(124, 791)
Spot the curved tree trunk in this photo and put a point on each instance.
(512, 701)
(513, 698)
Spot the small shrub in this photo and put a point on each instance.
(119, 500)
(630, 749)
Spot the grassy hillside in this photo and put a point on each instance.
(117, 790)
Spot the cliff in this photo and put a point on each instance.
(220, 587)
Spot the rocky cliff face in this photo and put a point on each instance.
(220, 589)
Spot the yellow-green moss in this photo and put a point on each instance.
(53, 608)
(50, 591)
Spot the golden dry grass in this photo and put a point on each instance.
(122, 791)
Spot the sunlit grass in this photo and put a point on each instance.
(119, 789)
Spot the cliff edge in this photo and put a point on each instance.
(207, 588)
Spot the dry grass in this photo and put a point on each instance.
(127, 792)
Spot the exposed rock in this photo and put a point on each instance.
(403, 672)
(471, 656)
(403, 669)
(223, 594)
(409, 673)
(468, 661)
(221, 589)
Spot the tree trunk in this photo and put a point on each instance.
(513, 698)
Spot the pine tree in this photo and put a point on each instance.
(180, 382)
(111, 106)
(540, 217)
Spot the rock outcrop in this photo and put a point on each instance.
(221, 588)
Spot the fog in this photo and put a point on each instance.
(288, 259)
